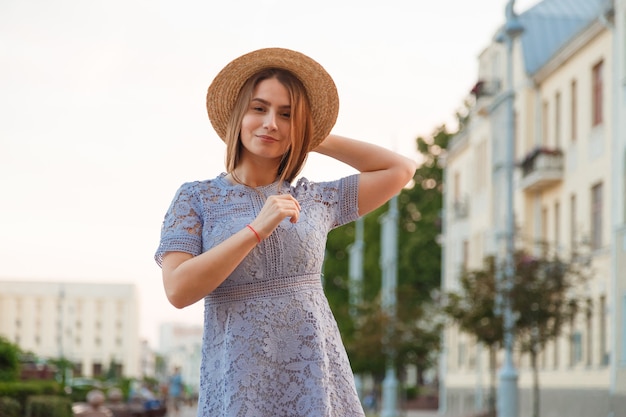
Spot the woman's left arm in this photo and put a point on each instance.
(383, 172)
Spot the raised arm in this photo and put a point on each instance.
(383, 172)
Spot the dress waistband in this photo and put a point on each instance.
(264, 289)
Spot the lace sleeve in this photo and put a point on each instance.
(182, 226)
(348, 208)
(340, 197)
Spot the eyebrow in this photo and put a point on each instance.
(267, 103)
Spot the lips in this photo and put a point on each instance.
(266, 138)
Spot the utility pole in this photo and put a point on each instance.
(355, 276)
(508, 396)
(389, 267)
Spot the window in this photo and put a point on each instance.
(596, 216)
(577, 348)
(96, 369)
(604, 356)
(462, 353)
(481, 166)
(573, 111)
(544, 118)
(557, 120)
(557, 229)
(556, 353)
(596, 94)
(572, 222)
(544, 231)
(465, 255)
(623, 332)
(589, 325)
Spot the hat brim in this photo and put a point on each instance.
(320, 88)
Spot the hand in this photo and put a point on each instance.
(276, 208)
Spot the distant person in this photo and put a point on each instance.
(251, 242)
(175, 392)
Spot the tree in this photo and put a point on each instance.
(544, 298)
(474, 310)
(415, 334)
(9, 361)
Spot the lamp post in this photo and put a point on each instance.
(507, 390)
(355, 275)
(389, 267)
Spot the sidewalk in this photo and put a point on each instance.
(420, 413)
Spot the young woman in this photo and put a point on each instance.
(251, 244)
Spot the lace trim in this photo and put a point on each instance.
(264, 289)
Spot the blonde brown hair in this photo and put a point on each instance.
(301, 123)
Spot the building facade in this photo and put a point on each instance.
(94, 326)
(568, 123)
(181, 346)
(618, 202)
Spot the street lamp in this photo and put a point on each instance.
(507, 390)
(389, 267)
(355, 275)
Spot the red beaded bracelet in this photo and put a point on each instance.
(255, 233)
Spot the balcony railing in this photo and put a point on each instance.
(542, 168)
(486, 88)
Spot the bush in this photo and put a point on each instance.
(48, 406)
(20, 391)
(411, 392)
(9, 360)
(10, 407)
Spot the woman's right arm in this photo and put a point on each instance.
(188, 278)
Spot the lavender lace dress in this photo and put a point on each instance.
(271, 346)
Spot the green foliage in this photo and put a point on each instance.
(20, 391)
(415, 333)
(542, 292)
(546, 296)
(473, 308)
(411, 392)
(420, 219)
(48, 406)
(9, 360)
(10, 407)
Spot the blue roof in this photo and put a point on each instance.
(551, 24)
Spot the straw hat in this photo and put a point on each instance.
(320, 88)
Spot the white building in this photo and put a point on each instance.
(569, 114)
(181, 345)
(95, 326)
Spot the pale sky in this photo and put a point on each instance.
(102, 112)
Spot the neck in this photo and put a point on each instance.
(252, 180)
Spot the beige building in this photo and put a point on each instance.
(181, 346)
(95, 326)
(618, 202)
(570, 142)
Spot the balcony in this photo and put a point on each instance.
(484, 91)
(485, 88)
(542, 168)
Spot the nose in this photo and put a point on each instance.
(269, 121)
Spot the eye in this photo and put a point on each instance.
(286, 115)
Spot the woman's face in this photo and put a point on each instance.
(266, 124)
